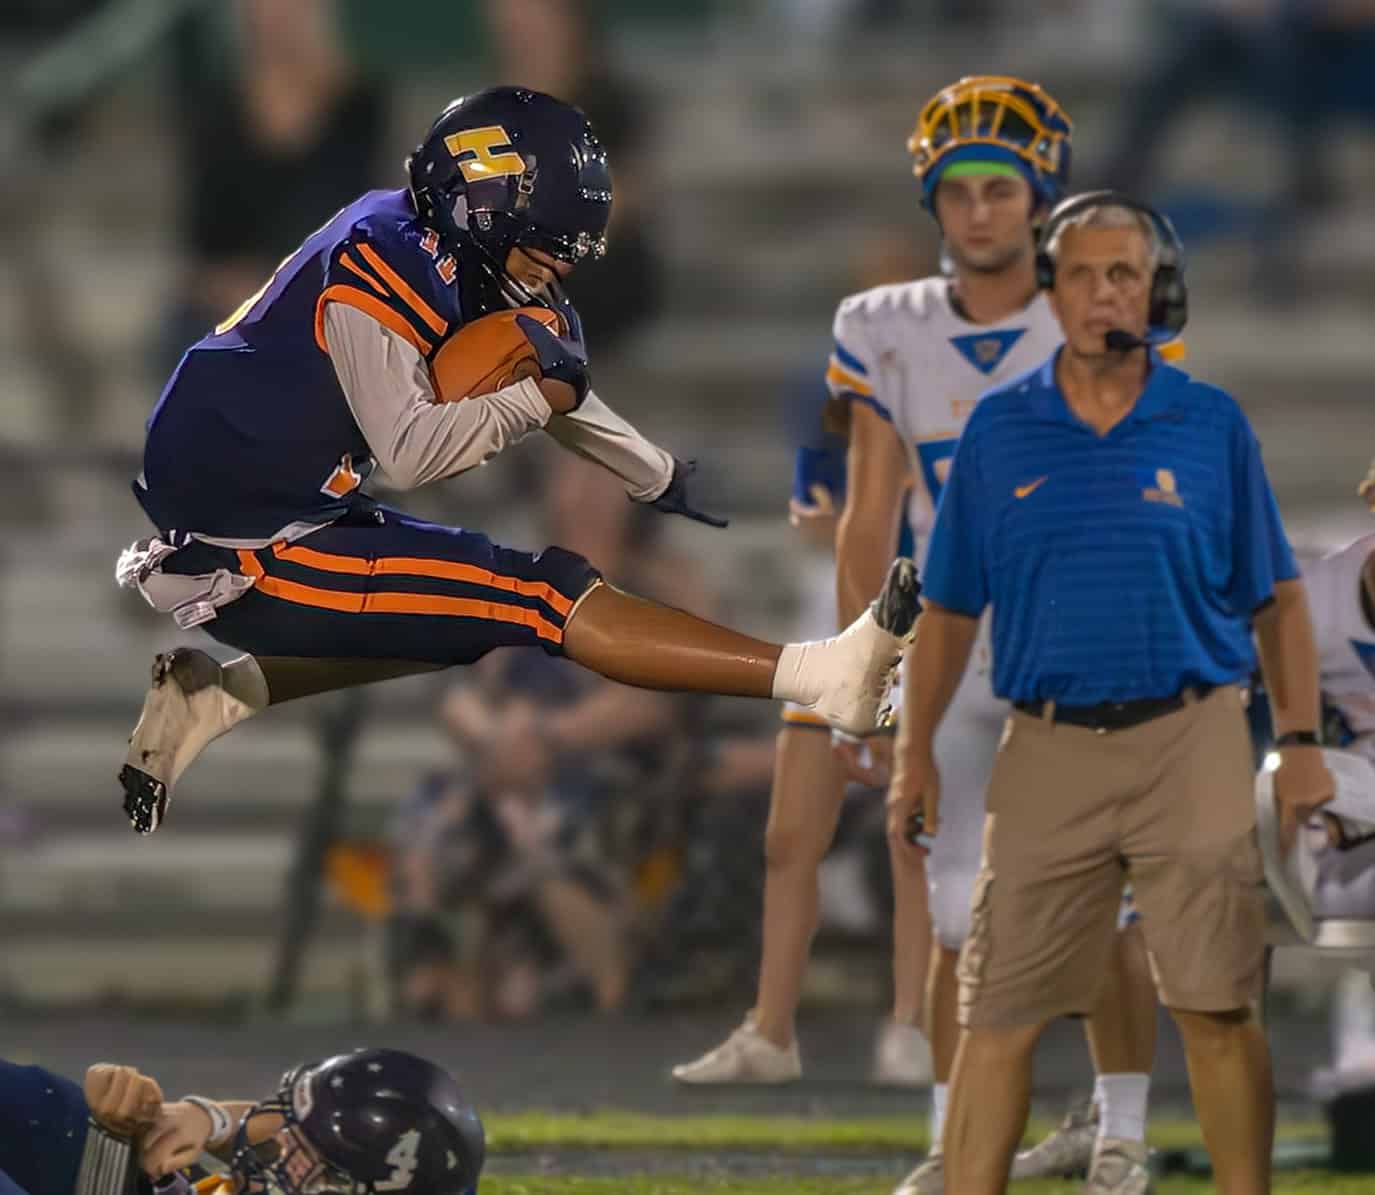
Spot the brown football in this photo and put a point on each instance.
(488, 354)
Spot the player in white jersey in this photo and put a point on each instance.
(1332, 864)
(991, 155)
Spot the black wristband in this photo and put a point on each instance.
(1299, 738)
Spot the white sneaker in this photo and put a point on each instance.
(1067, 1152)
(744, 1057)
(902, 1056)
(1119, 1168)
(926, 1179)
(854, 670)
(185, 710)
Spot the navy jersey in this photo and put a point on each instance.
(253, 432)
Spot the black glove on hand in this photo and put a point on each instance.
(562, 360)
(674, 500)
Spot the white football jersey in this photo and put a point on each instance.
(904, 351)
(1346, 639)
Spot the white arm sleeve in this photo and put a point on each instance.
(596, 432)
(415, 439)
(1334, 583)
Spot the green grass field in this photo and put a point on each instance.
(612, 1129)
(603, 1134)
(1289, 1184)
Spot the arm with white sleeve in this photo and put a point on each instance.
(596, 432)
(416, 439)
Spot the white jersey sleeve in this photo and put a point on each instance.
(1345, 636)
(907, 352)
(851, 372)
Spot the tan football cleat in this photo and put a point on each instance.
(186, 709)
(1067, 1151)
(1119, 1168)
(926, 1179)
(902, 1056)
(854, 671)
(744, 1057)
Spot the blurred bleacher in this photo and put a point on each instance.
(773, 165)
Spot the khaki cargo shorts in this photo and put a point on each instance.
(1072, 815)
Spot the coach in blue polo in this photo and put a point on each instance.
(1115, 513)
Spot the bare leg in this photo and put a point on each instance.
(911, 936)
(290, 677)
(942, 1011)
(1234, 1095)
(592, 933)
(638, 642)
(804, 806)
(990, 1097)
(1121, 1032)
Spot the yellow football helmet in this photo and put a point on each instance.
(997, 117)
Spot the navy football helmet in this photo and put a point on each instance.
(507, 168)
(365, 1123)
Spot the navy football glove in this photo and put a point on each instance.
(674, 500)
(560, 359)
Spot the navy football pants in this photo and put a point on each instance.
(43, 1119)
(382, 585)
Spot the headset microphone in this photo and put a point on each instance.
(1119, 341)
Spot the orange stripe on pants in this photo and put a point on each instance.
(419, 566)
(393, 603)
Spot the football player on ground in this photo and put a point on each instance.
(373, 1120)
(260, 445)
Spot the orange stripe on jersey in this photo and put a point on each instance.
(351, 296)
(349, 264)
(417, 566)
(393, 603)
(403, 290)
(843, 379)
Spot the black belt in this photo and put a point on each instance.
(1114, 715)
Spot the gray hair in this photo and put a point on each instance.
(1109, 215)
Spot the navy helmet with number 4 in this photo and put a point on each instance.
(366, 1123)
(512, 168)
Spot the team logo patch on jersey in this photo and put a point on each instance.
(344, 480)
(985, 350)
(1162, 488)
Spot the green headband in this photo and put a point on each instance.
(967, 167)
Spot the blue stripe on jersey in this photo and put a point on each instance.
(1119, 566)
(850, 361)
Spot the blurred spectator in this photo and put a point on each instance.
(504, 900)
(269, 154)
(1301, 63)
(559, 47)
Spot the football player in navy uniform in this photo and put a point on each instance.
(259, 448)
(372, 1120)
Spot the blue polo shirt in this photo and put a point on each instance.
(1119, 566)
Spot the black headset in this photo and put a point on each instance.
(1169, 296)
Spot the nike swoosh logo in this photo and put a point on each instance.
(1023, 490)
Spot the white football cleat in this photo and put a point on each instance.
(1067, 1152)
(854, 671)
(926, 1179)
(744, 1057)
(1119, 1167)
(186, 709)
(902, 1056)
